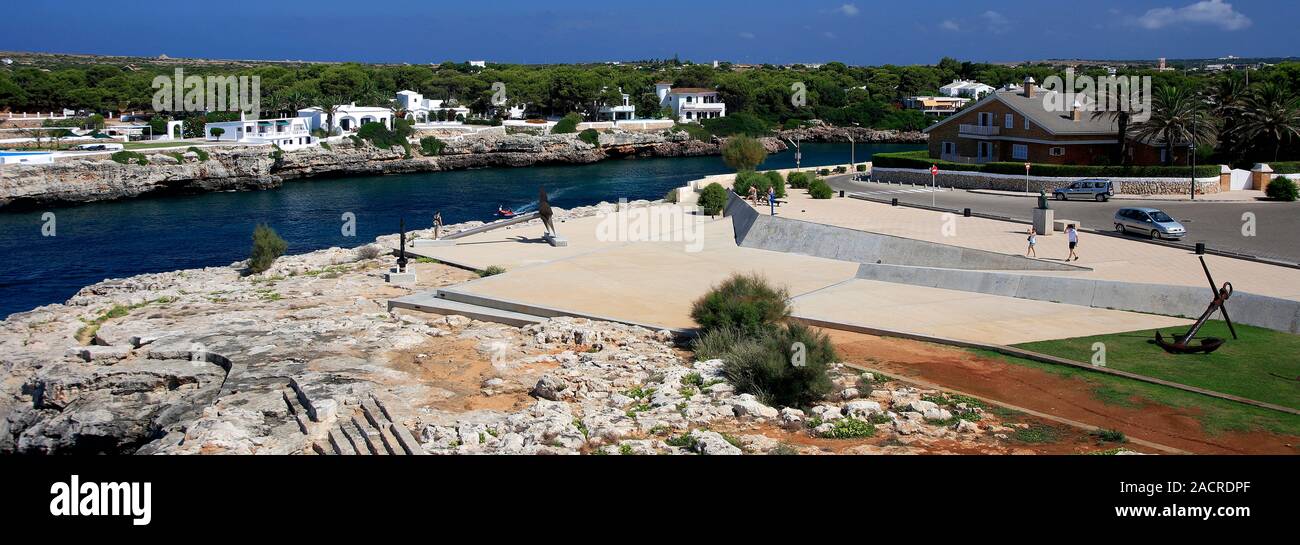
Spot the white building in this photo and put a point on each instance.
(968, 89)
(478, 64)
(623, 111)
(425, 110)
(691, 104)
(347, 118)
(286, 132)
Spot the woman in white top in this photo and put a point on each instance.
(1033, 240)
(1073, 236)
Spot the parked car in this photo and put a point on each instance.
(1149, 222)
(1093, 190)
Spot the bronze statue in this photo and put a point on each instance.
(401, 246)
(544, 211)
(1042, 200)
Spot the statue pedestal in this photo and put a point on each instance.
(1044, 221)
(399, 278)
(556, 241)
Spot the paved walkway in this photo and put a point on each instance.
(1248, 195)
(1111, 258)
(656, 282)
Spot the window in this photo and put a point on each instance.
(1019, 152)
(949, 148)
(1027, 125)
(1011, 121)
(1058, 152)
(986, 119)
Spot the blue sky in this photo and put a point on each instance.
(752, 31)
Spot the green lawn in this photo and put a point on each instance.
(1216, 415)
(1262, 365)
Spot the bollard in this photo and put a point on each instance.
(841, 193)
(1200, 248)
(966, 212)
(893, 202)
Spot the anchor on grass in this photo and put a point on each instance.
(1209, 344)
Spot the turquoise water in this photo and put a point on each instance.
(117, 239)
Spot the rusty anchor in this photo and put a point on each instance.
(1181, 342)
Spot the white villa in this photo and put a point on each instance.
(966, 89)
(424, 110)
(287, 132)
(348, 118)
(690, 103)
(624, 111)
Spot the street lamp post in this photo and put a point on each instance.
(1191, 152)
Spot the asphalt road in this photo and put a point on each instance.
(1220, 225)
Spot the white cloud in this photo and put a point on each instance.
(997, 22)
(1206, 12)
(829, 35)
(949, 24)
(747, 35)
(848, 9)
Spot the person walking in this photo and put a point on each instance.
(771, 199)
(1033, 241)
(753, 195)
(1072, 235)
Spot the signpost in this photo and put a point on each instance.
(1027, 165)
(934, 174)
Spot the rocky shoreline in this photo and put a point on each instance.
(820, 132)
(253, 168)
(307, 358)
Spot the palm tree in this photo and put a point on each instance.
(1270, 114)
(1225, 97)
(1178, 115)
(1116, 107)
(329, 106)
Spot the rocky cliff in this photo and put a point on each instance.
(248, 168)
(820, 132)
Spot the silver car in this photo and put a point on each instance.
(1148, 222)
(1093, 190)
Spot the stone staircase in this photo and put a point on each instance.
(368, 430)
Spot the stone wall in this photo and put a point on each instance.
(1009, 182)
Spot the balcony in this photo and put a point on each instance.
(707, 106)
(979, 130)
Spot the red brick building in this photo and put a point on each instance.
(1015, 125)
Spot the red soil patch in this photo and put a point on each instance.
(1065, 397)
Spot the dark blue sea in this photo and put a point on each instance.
(117, 239)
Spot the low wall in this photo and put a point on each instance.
(764, 232)
(1185, 301)
(1011, 182)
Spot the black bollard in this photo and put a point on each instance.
(1200, 248)
(893, 202)
(966, 212)
(841, 193)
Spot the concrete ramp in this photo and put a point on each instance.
(1169, 300)
(774, 233)
(494, 225)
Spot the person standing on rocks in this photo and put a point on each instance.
(1072, 235)
(437, 225)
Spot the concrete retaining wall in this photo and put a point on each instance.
(1186, 301)
(764, 232)
(1011, 182)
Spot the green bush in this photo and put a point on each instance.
(746, 179)
(671, 196)
(1291, 167)
(824, 172)
(590, 136)
(920, 160)
(849, 428)
(203, 155)
(765, 365)
(267, 246)
(695, 130)
(743, 153)
(383, 137)
(326, 145)
(820, 190)
(799, 179)
(775, 181)
(717, 342)
(492, 270)
(568, 125)
(737, 124)
(1282, 189)
(431, 145)
(745, 302)
(713, 199)
(860, 168)
(128, 157)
